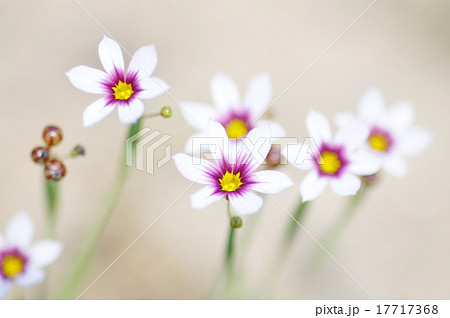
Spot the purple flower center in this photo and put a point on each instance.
(330, 160)
(12, 263)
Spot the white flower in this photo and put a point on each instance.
(337, 161)
(231, 174)
(237, 116)
(124, 90)
(21, 262)
(392, 135)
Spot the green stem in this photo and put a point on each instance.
(76, 276)
(52, 192)
(230, 246)
(333, 234)
(293, 226)
(273, 270)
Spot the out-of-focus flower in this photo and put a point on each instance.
(122, 89)
(237, 116)
(337, 161)
(392, 135)
(231, 174)
(20, 261)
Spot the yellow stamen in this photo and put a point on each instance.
(230, 182)
(379, 142)
(236, 128)
(331, 162)
(12, 265)
(123, 90)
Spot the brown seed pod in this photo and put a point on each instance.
(40, 154)
(54, 170)
(52, 135)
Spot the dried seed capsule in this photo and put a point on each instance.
(54, 170)
(40, 154)
(166, 112)
(52, 135)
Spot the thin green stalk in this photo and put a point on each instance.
(51, 195)
(272, 272)
(76, 276)
(293, 226)
(333, 234)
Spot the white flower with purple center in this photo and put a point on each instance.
(21, 262)
(392, 135)
(237, 116)
(336, 161)
(231, 174)
(122, 89)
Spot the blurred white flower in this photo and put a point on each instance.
(123, 90)
(337, 160)
(21, 262)
(237, 116)
(231, 174)
(392, 135)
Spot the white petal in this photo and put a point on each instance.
(400, 116)
(271, 181)
(96, 111)
(353, 135)
(110, 55)
(364, 163)
(45, 252)
(5, 287)
(205, 197)
(144, 61)
(189, 168)
(246, 202)
(219, 144)
(347, 184)
(20, 230)
(276, 129)
(88, 79)
(195, 143)
(130, 113)
(342, 119)
(31, 277)
(414, 141)
(299, 155)
(152, 87)
(224, 91)
(197, 115)
(258, 95)
(371, 105)
(312, 186)
(395, 165)
(318, 127)
(256, 145)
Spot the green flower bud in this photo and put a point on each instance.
(236, 222)
(166, 112)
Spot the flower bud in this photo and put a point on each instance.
(166, 112)
(40, 154)
(235, 222)
(54, 170)
(52, 135)
(273, 158)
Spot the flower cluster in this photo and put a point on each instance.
(54, 168)
(20, 261)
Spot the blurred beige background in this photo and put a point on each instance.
(398, 244)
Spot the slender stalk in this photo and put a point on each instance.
(230, 246)
(293, 226)
(335, 231)
(272, 272)
(83, 257)
(52, 192)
